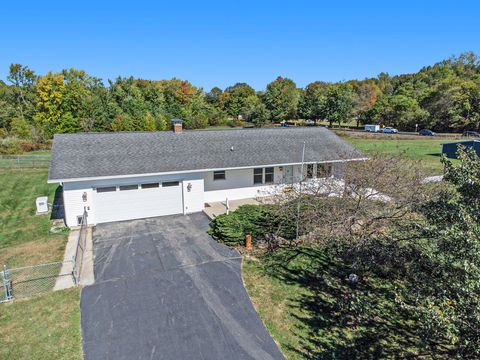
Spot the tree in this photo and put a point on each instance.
(338, 104)
(398, 110)
(313, 102)
(49, 90)
(236, 99)
(67, 123)
(23, 82)
(448, 294)
(423, 239)
(365, 97)
(454, 104)
(214, 95)
(20, 127)
(7, 106)
(258, 114)
(161, 122)
(281, 99)
(149, 123)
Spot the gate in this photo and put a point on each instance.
(27, 281)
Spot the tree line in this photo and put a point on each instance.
(442, 97)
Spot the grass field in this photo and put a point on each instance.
(300, 296)
(25, 238)
(46, 327)
(423, 149)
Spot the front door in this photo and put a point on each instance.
(288, 174)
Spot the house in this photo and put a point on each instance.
(450, 149)
(131, 175)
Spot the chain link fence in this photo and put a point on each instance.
(24, 161)
(24, 282)
(80, 249)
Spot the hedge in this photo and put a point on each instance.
(256, 220)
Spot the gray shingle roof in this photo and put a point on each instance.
(88, 155)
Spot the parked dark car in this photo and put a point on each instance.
(426, 132)
(471, 134)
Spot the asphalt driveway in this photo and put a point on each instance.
(164, 289)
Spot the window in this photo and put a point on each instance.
(309, 171)
(150, 185)
(324, 170)
(170, 183)
(219, 175)
(269, 172)
(128, 187)
(258, 176)
(106, 189)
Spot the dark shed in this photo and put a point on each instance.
(450, 149)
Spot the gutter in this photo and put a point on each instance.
(55, 181)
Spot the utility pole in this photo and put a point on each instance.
(300, 191)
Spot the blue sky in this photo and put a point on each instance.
(219, 43)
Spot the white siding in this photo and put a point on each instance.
(238, 184)
(194, 190)
(74, 204)
(135, 206)
(193, 197)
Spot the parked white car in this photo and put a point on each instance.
(389, 130)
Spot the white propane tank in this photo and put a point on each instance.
(42, 204)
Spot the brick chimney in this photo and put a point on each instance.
(177, 126)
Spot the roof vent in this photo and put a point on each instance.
(231, 149)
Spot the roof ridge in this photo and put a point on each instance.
(293, 128)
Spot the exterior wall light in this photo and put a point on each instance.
(189, 187)
(84, 197)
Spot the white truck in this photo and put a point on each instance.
(372, 128)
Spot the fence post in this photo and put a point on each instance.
(74, 270)
(7, 284)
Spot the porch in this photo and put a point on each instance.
(213, 209)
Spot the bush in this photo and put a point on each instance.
(3, 133)
(31, 146)
(256, 220)
(10, 145)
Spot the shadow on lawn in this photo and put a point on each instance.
(337, 321)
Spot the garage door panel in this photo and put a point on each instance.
(139, 203)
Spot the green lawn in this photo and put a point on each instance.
(25, 238)
(44, 327)
(300, 296)
(423, 149)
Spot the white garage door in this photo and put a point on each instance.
(136, 201)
